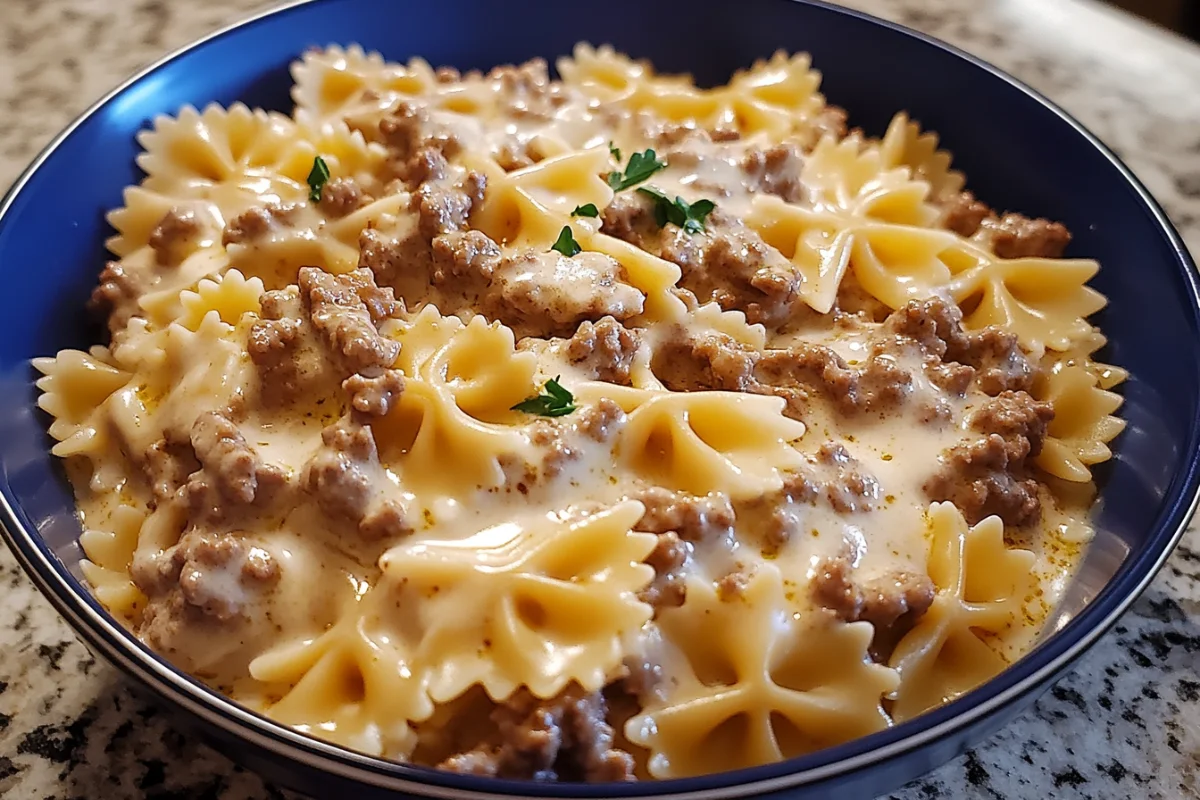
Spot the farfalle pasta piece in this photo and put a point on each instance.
(539, 604)
(353, 684)
(453, 423)
(700, 442)
(762, 682)
(230, 295)
(602, 73)
(335, 84)
(1083, 423)
(74, 386)
(528, 208)
(982, 585)
(906, 145)
(1044, 301)
(110, 552)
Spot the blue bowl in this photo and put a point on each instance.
(1019, 151)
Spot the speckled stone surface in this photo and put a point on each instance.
(1125, 723)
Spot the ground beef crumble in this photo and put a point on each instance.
(565, 738)
(343, 477)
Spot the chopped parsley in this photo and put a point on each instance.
(641, 166)
(589, 210)
(566, 243)
(689, 216)
(555, 401)
(317, 178)
(616, 152)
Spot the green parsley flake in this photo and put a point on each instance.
(589, 210)
(555, 401)
(566, 243)
(616, 152)
(317, 179)
(641, 167)
(689, 216)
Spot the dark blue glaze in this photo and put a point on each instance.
(1019, 151)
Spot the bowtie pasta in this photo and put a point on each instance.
(588, 429)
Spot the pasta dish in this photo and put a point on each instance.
(589, 428)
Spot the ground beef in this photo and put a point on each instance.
(601, 422)
(999, 361)
(114, 300)
(775, 170)
(669, 559)
(1015, 416)
(777, 515)
(729, 263)
(525, 91)
(565, 738)
(167, 464)
(604, 349)
(463, 255)
(374, 396)
(344, 310)
(174, 236)
(343, 477)
(695, 519)
(549, 294)
(1017, 236)
(733, 584)
(341, 196)
(643, 678)
(257, 222)
(200, 567)
(893, 602)
(412, 139)
(985, 477)
(879, 384)
(288, 362)
(842, 481)
(232, 475)
(687, 362)
(963, 214)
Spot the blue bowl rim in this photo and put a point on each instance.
(103, 633)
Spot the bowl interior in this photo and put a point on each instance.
(1017, 152)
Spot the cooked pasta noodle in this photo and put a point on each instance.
(591, 429)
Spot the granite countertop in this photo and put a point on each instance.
(1125, 723)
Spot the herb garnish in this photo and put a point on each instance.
(615, 151)
(641, 166)
(555, 402)
(689, 216)
(317, 179)
(566, 243)
(589, 210)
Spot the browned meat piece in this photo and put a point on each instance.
(963, 214)
(893, 603)
(831, 121)
(669, 559)
(643, 678)
(605, 348)
(565, 738)
(1016, 236)
(406, 131)
(549, 294)
(114, 300)
(879, 385)
(344, 310)
(733, 584)
(443, 208)
(775, 170)
(525, 91)
(167, 466)
(601, 422)
(285, 362)
(343, 477)
(845, 485)
(341, 196)
(513, 155)
(1015, 416)
(996, 355)
(374, 396)
(460, 255)
(985, 477)
(707, 361)
(256, 223)
(207, 568)
(695, 519)
(231, 475)
(174, 236)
